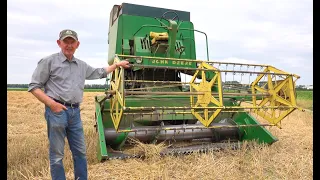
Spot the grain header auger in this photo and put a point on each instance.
(169, 96)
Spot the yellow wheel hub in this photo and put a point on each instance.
(279, 96)
(205, 99)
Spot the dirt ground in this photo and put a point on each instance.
(289, 158)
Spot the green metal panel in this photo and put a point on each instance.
(126, 46)
(131, 30)
(141, 46)
(131, 27)
(115, 40)
(101, 148)
(259, 133)
(148, 11)
(112, 41)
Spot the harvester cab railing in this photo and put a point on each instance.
(167, 95)
(181, 29)
(164, 26)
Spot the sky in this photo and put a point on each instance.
(273, 32)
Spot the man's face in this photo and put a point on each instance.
(68, 45)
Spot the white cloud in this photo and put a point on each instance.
(294, 62)
(17, 18)
(85, 34)
(237, 60)
(25, 41)
(255, 44)
(95, 62)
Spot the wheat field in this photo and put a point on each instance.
(289, 158)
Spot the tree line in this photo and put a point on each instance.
(103, 86)
(87, 86)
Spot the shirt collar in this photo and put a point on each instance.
(64, 58)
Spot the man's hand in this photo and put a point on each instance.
(123, 63)
(57, 107)
(53, 105)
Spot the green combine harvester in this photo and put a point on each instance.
(169, 96)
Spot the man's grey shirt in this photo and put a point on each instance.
(62, 79)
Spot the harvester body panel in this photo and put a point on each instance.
(167, 95)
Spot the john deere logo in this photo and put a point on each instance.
(68, 32)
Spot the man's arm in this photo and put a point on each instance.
(124, 64)
(39, 77)
(98, 73)
(41, 96)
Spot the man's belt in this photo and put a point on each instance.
(73, 105)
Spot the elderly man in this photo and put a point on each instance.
(63, 78)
